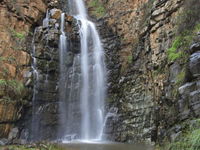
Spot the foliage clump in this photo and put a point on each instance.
(130, 59)
(172, 51)
(17, 35)
(188, 24)
(180, 77)
(11, 89)
(19, 39)
(181, 44)
(189, 139)
(98, 8)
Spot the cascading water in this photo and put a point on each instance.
(92, 77)
(63, 72)
(46, 20)
(36, 116)
(34, 123)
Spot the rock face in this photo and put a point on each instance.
(42, 118)
(194, 64)
(144, 88)
(144, 92)
(7, 119)
(17, 19)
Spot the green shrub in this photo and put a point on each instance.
(16, 86)
(172, 52)
(17, 35)
(197, 28)
(2, 59)
(99, 10)
(3, 82)
(189, 141)
(181, 44)
(188, 138)
(188, 24)
(5, 72)
(19, 39)
(130, 58)
(180, 78)
(12, 88)
(11, 59)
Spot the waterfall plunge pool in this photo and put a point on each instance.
(104, 146)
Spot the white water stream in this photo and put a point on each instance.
(93, 75)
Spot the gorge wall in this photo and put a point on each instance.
(17, 20)
(152, 88)
(156, 89)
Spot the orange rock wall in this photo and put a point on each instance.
(17, 17)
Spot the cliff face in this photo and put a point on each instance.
(17, 18)
(152, 59)
(155, 88)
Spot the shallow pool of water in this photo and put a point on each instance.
(105, 146)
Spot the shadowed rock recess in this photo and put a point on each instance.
(152, 54)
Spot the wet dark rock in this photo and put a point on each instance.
(38, 34)
(194, 64)
(194, 48)
(195, 102)
(13, 134)
(53, 38)
(46, 104)
(69, 59)
(53, 22)
(174, 71)
(4, 142)
(187, 88)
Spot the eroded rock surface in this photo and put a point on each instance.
(143, 93)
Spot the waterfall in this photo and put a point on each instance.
(82, 80)
(34, 121)
(46, 20)
(35, 127)
(93, 76)
(63, 73)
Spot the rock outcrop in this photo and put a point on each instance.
(42, 120)
(17, 18)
